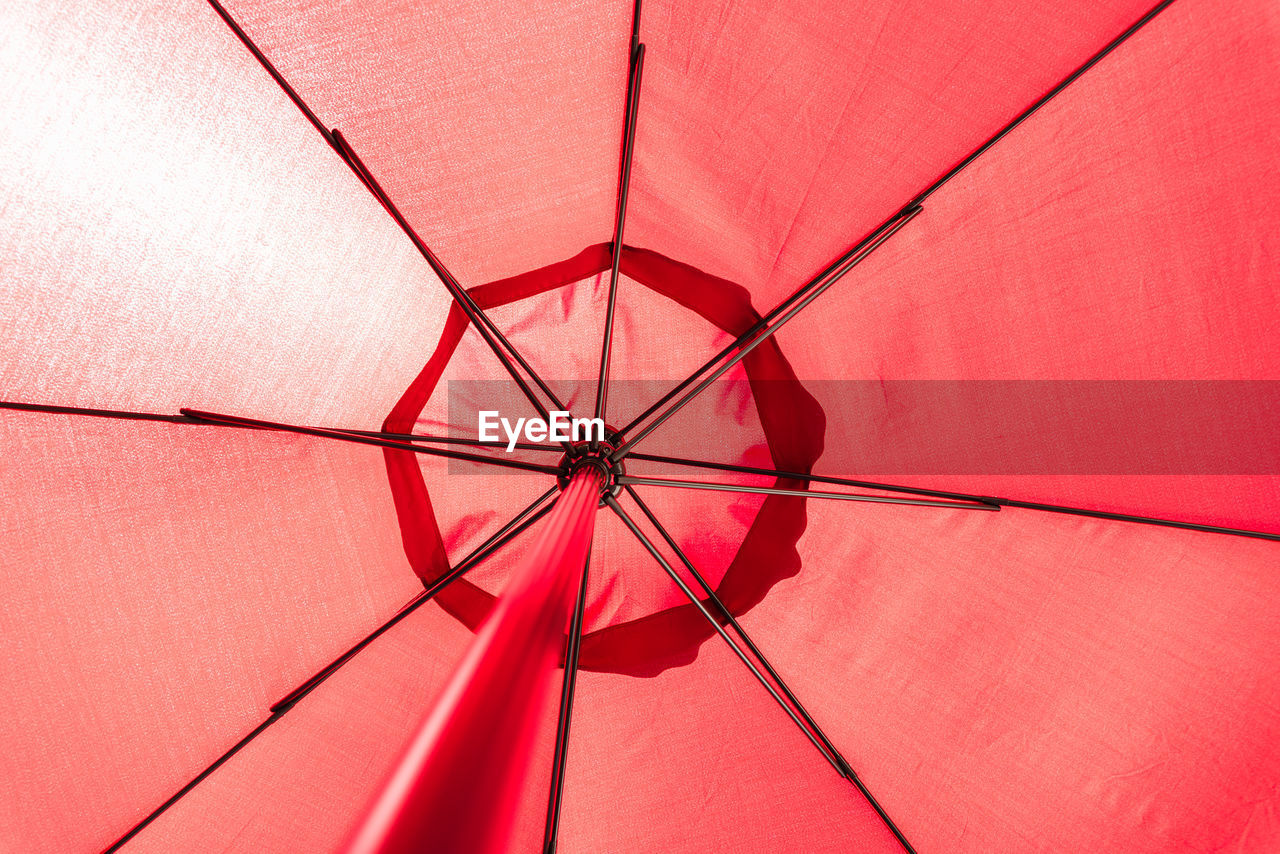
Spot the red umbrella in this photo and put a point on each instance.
(938, 367)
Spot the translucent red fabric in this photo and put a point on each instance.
(165, 584)
(1039, 681)
(774, 137)
(177, 234)
(1122, 234)
(517, 135)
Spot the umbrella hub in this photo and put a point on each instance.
(586, 457)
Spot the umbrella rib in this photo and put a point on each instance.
(572, 646)
(662, 561)
(271, 69)
(1126, 517)
(840, 766)
(122, 414)
(763, 329)
(531, 514)
(850, 258)
(864, 484)
(452, 440)
(627, 480)
(843, 766)
(186, 419)
(994, 501)
(620, 220)
(365, 439)
(1042, 100)
(487, 329)
(915, 202)
(814, 478)
(540, 507)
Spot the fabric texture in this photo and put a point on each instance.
(177, 234)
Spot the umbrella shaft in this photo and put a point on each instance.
(458, 785)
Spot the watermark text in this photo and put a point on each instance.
(561, 427)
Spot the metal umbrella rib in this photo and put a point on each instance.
(893, 221)
(810, 725)
(624, 184)
(766, 328)
(573, 643)
(802, 493)
(366, 439)
(833, 758)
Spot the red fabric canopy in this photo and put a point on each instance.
(216, 638)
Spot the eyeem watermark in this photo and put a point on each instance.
(881, 429)
(561, 428)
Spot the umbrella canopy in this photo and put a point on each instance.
(265, 262)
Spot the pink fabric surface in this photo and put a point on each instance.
(771, 138)
(696, 760)
(701, 759)
(297, 786)
(1023, 681)
(493, 126)
(177, 234)
(300, 785)
(1127, 232)
(163, 585)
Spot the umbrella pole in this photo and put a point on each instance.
(458, 785)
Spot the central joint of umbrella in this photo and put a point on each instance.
(584, 456)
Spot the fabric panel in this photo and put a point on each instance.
(771, 138)
(495, 127)
(701, 759)
(298, 786)
(164, 584)
(1027, 681)
(178, 235)
(1127, 232)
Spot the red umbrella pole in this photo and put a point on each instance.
(457, 785)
